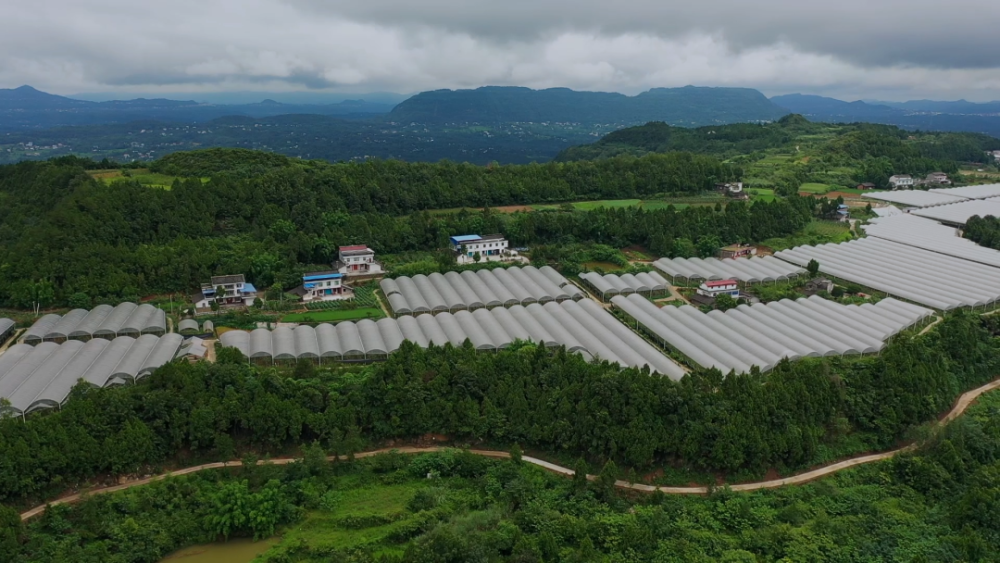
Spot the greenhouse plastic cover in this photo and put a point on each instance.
(102, 320)
(959, 213)
(583, 327)
(972, 192)
(452, 291)
(922, 276)
(42, 376)
(762, 335)
(916, 198)
(747, 270)
(931, 235)
(612, 284)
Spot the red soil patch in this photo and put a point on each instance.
(513, 208)
(835, 195)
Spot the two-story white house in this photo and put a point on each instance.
(469, 245)
(235, 291)
(901, 181)
(719, 287)
(357, 260)
(323, 286)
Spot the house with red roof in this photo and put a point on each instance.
(716, 288)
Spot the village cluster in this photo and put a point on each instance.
(663, 317)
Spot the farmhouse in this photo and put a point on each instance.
(900, 181)
(937, 178)
(235, 292)
(737, 251)
(719, 287)
(323, 286)
(488, 246)
(866, 186)
(357, 260)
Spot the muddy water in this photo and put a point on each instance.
(233, 551)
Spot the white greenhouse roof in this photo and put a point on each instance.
(42, 376)
(583, 327)
(104, 321)
(613, 284)
(747, 270)
(931, 235)
(918, 275)
(762, 335)
(5, 326)
(469, 290)
(959, 213)
(887, 211)
(915, 198)
(971, 192)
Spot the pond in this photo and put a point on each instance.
(232, 551)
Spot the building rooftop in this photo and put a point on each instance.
(465, 238)
(492, 237)
(223, 280)
(357, 248)
(720, 283)
(314, 276)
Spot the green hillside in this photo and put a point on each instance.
(794, 151)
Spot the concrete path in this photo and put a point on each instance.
(964, 401)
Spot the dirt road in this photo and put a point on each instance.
(963, 402)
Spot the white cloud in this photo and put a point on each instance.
(847, 48)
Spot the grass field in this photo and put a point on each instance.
(141, 175)
(815, 188)
(334, 316)
(763, 194)
(816, 232)
(358, 516)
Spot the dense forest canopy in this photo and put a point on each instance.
(64, 233)
(984, 231)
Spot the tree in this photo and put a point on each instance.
(516, 454)
(214, 305)
(605, 483)
(477, 257)
(725, 302)
(79, 300)
(580, 475)
(220, 294)
(812, 267)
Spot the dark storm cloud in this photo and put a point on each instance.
(848, 48)
(957, 33)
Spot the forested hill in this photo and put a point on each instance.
(912, 115)
(689, 106)
(727, 141)
(65, 233)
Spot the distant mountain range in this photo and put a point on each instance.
(505, 124)
(918, 114)
(687, 106)
(28, 108)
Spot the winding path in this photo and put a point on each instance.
(963, 402)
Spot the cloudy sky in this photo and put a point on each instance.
(886, 49)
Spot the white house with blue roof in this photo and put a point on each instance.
(235, 291)
(323, 286)
(489, 245)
